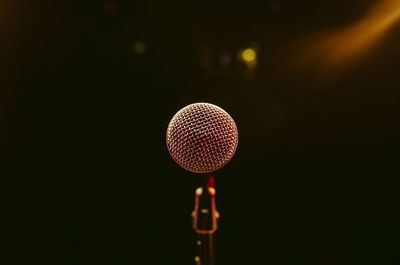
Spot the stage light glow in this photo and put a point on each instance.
(249, 55)
(346, 45)
(139, 47)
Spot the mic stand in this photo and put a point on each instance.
(205, 223)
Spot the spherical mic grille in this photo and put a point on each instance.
(202, 137)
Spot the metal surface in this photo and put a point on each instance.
(202, 137)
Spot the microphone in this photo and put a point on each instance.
(202, 138)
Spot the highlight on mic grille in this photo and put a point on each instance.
(202, 137)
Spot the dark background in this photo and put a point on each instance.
(88, 178)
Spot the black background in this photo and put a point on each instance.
(88, 178)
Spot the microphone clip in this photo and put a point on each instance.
(205, 215)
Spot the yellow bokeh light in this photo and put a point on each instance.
(139, 47)
(249, 55)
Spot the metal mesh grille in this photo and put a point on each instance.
(202, 137)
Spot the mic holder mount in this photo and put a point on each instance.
(205, 222)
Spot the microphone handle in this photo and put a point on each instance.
(206, 253)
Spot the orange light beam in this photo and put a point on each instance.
(354, 41)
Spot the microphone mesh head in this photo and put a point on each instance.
(202, 137)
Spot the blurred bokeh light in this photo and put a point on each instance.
(139, 47)
(249, 55)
